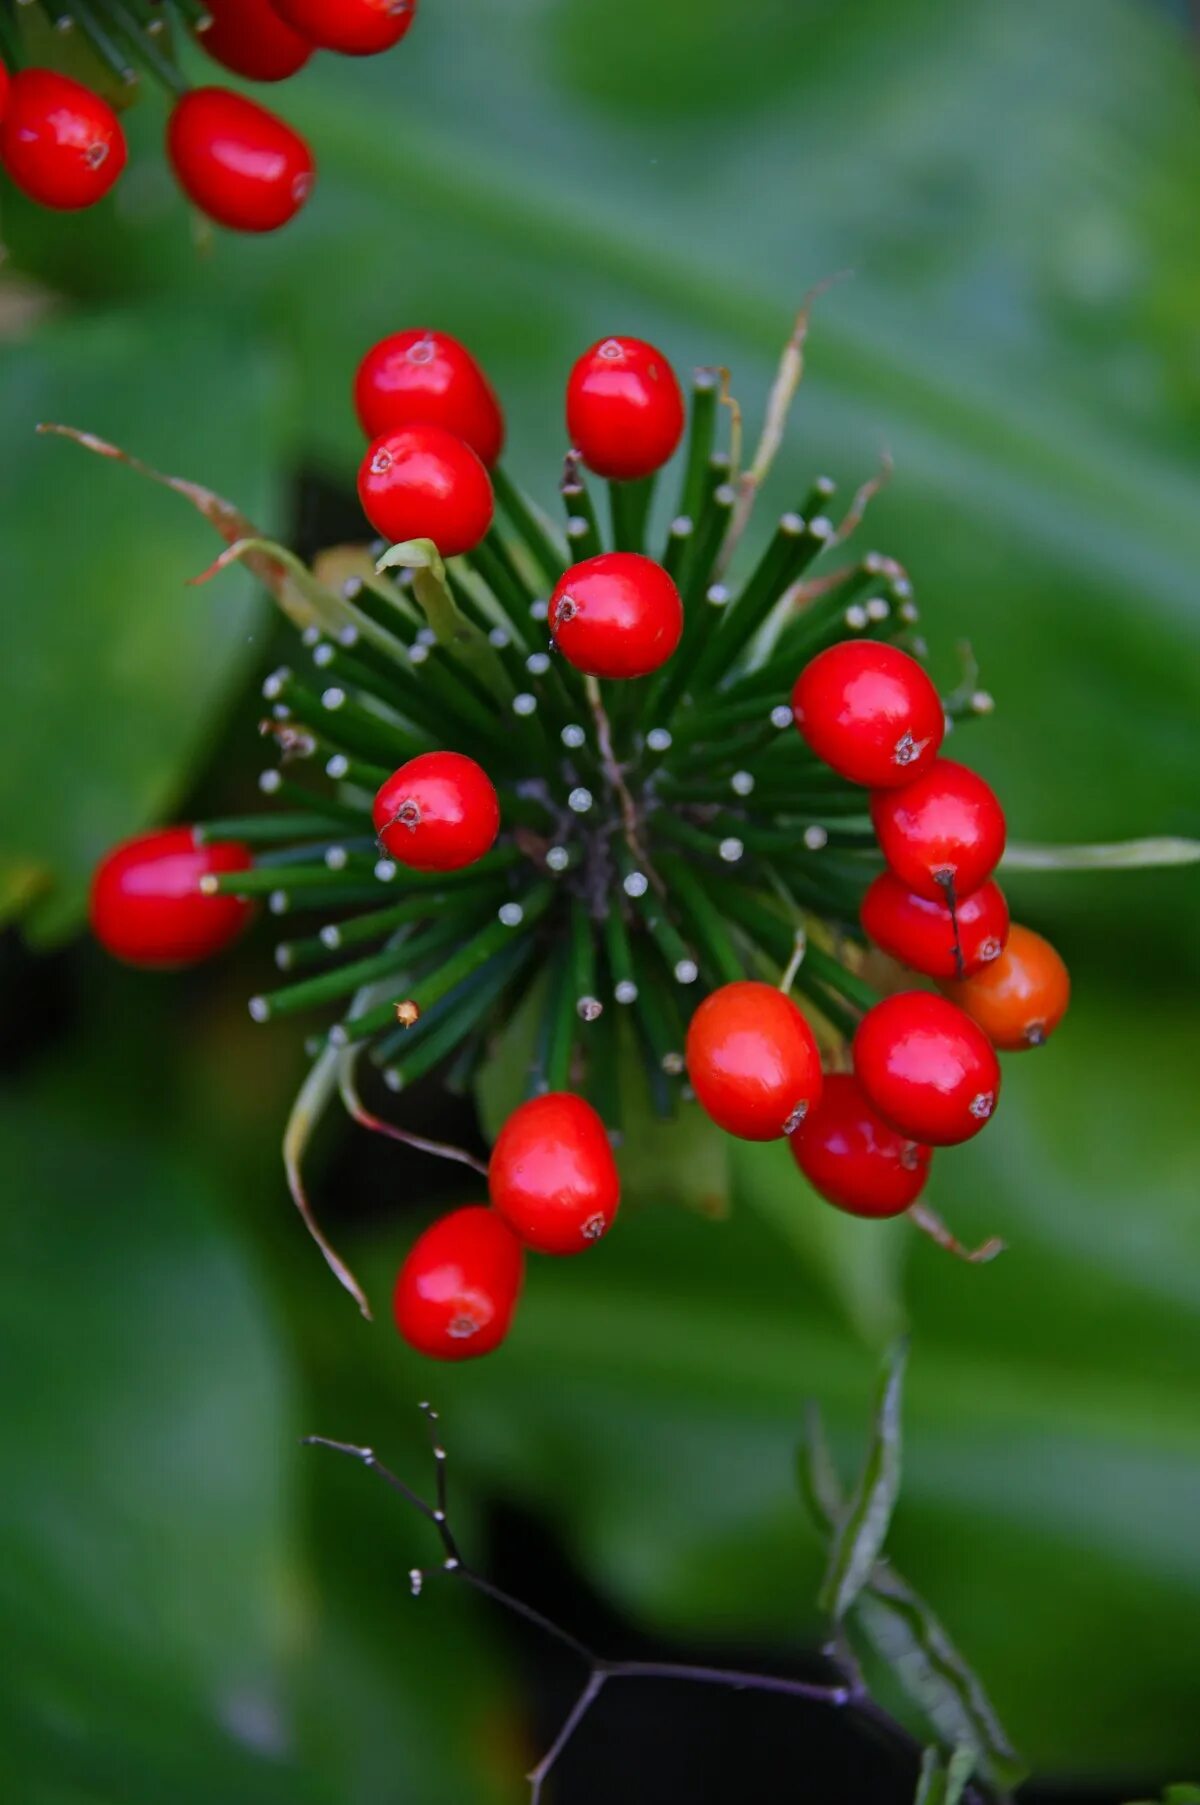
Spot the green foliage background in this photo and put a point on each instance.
(198, 1610)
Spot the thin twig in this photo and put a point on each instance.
(358, 1112)
(922, 1216)
(612, 770)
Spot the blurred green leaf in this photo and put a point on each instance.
(942, 1780)
(113, 670)
(861, 1530)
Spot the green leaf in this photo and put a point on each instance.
(942, 1781)
(862, 1529)
(820, 1486)
(112, 668)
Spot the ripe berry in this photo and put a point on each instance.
(420, 482)
(438, 812)
(944, 829)
(61, 144)
(850, 1155)
(147, 907)
(242, 165)
(249, 37)
(421, 378)
(870, 711)
(920, 931)
(617, 615)
(552, 1175)
(752, 1061)
(353, 27)
(925, 1066)
(1020, 999)
(457, 1290)
(5, 84)
(624, 408)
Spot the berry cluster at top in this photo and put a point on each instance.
(665, 784)
(61, 141)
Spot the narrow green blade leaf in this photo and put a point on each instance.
(931, 1786)
(905, 1633)
(820, 1486)
(863, 1529)
(959, 1769)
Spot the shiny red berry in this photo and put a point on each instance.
(420, 482)
(552, 1175)
(1020, 999)
(438, 812)
(926, 1067)
(944, 830)
(147, 906)
(250, 37)
(618, 615)
(423, 378)
(870, 711)
(457, 1290)
(242, 165)
(752, 1061)
(624, 408)
(353, 27)
(61, 144)
(921, 931)
(849, 1154)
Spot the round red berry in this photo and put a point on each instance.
(870, 711)
(61, 144)
(920, 931)
(942, 833)
(552, 1175)
(926, 1068)
(250, 37)
(752, 1061)
(1020, 999)
(353, 27)
(849, 1154)
(624, 408)
(438, 812)
(242, 165)
(5, 85)
(457, 1290)
(147, 906)
(423, 378)
(420, 482)
(618, 615)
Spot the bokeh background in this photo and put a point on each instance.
(196, 1608)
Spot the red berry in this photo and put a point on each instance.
(249, 37)
(353, 27)
(242, 165)
(60, 143)
(920, 931)
(870, 711)
(552, 1175)
(457, 1290)
(421, 378)
(147, 907)
(438, 812)
(5, 84)
(752, 1061)
(926, 1068)
(1020, 999)
(618, 615)
(849, 1154)
(944, 829)
(421, 482)
(624, 408)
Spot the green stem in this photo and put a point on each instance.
(524, 519)
(1116, 855)
(701, 437)
(629, 508)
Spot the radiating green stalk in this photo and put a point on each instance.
(468, 1005)
(629, 510)
(700, 615)
(583, 962)
(602, 1079)
(356, 772)
(144, 48)
(679, 545)
(265, 830)
(331, 986)
(701, 436)
(666, 936)
(476, 952)
(584, 538)
(563, 1017)
(347, 813)
(656, 1015)
(511, 596)
(526, 522)
(343, 722)
(105, 47)
(358, 930)
(619, 954)
(786, 554)
(719, 959)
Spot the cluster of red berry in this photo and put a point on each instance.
(630, 900)
(61, 141)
